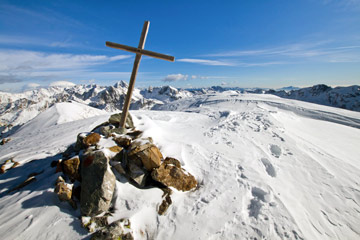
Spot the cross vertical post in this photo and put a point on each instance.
(126, 106)
(139, 52)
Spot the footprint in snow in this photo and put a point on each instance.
(269, 167)
(275, 150)
(260, 197)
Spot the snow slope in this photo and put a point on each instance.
(267, 168)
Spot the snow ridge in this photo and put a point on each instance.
(17, 109)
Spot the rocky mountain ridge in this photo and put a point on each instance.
(18, 108)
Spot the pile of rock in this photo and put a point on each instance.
(89, 164)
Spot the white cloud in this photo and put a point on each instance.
(61, 84)
(175, 77)
(321, 51)
(199, 77)
(19, 66)
(15, 60)
(206, 62)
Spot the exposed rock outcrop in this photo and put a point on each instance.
(173, 176)
(71, 168)
(115, 120)
(98, 184)
(147, 155)
(117, 230)
(91, 139)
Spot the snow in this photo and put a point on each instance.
(267, 167)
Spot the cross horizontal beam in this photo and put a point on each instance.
(140, 51)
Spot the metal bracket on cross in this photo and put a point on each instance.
(139, 52)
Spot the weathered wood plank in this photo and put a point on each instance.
(141, 51)
(126, 106)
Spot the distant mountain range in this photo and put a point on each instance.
(18, 108)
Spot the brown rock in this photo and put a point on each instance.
(123, 141)
(170, 160)
(166, 201)
(64, 191)
(59, 167)
(59, 180)
(71, 168)
(173, 176)
(3, 169)
(148, 154)
(4, 140)
(92, 139)
(115, 149)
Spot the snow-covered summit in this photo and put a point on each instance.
(267, 167)
(17, 109)
(342, 97)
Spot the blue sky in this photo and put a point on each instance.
(255, 43)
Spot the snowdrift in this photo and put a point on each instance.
(267, 168)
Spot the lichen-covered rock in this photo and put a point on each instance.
(93, 224)
(98, 184)
(123, 141)
(147, 155)
(59, 180)
(107, 131)
(115, 231)
(64, 191)
(166, 201)
(115, 120)
(71, 168)
(92, 139)
(134, 134)
(170, 160)
(172, 176)
(80, 142)
(115, 149)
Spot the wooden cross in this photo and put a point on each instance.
(139, 52)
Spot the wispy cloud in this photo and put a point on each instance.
(345, 5)
(207, 62)
(318, 51)
(14, 60)
(15, 66)
(44, 15)
(175, 77)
